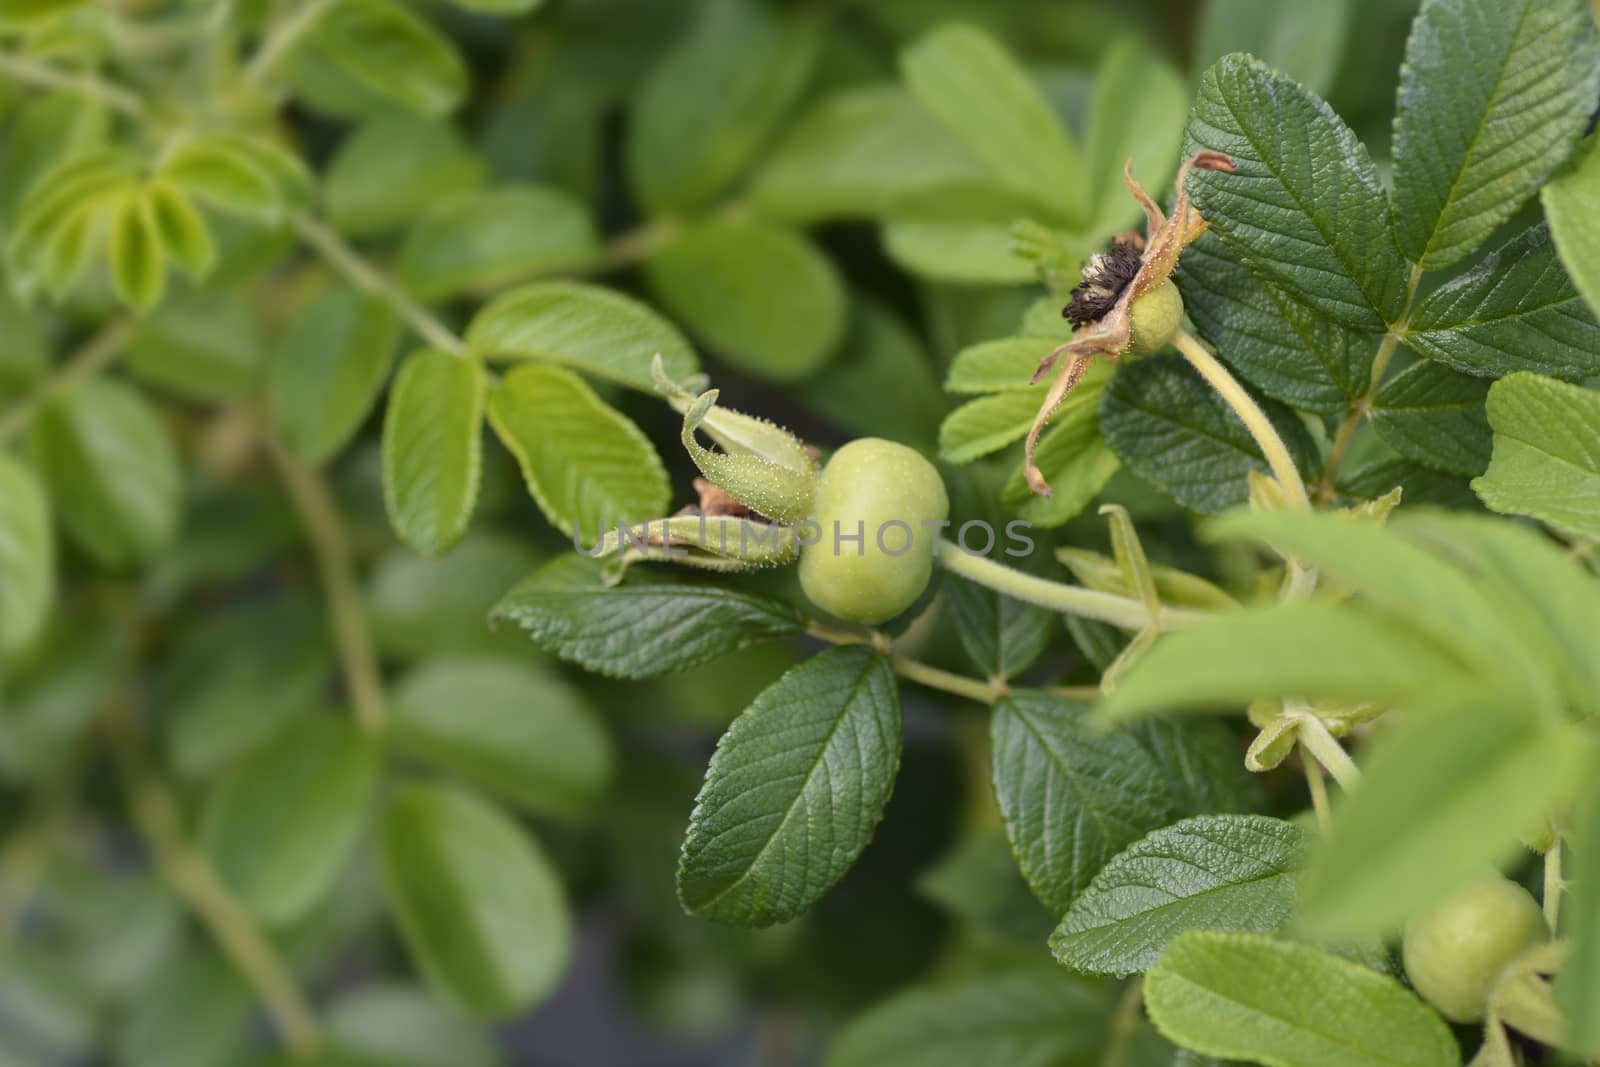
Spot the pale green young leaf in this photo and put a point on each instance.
(27, 556)
(588, 466)
(138, 260)
(1212, 872)
(759, 295)
(1136, 117)
(643, 626)
(1279, 346)
(1305, 41)
(1435, 416)
(393, 53)
(326, 371)
(487, 238)
(589, 328)
(182, 230)
(511, 729)
(479, 905)
(280, 824)
(1246, 996)
(1517, 310)
(1473, 777)
(1299, 649)
(1493, 95)
(794, 790)
(712, 99)
(1002, 636)
(1572, 208)
(213, 170)
(1072, 796)
(960, 232)
(1305, 209)
(1173, 429)
(854, 153)
(76, 194)
(393, 168)
(112, 470)
(395, 1024)
(987, 424)
(1034, 1017)
(433, 449)
(1076, 461)
(44, 132)
(998, 366)
(1546, 460)
(1578, 987)
(983, 96)
(209, 346)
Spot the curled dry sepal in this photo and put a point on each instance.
(1109, 290)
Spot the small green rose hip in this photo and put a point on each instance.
(1455, 953)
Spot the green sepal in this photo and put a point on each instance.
(738, 434)
(778, 491)
(726, 543)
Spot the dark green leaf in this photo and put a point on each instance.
(585, 327)
(512, 730)
(486, 238)
(1283, 1004)
(27, 556)
(1517, 310)
(478, 903)
(1003, 636)
(760, 295)
(1173, 430)
(588, 466)
(1072, 796)
(644, 626)
(1493, 94)
(395, 1025)
(794, 791)
(393, 168)
(1214, 872)
(1305, 209)
(1435, 416)
(433, 449)
(281, 823)
(327, 370)
(1202, 763)
(393, 53)
(978, 883)
(1546, 453)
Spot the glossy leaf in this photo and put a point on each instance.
(794, 791)
(479, 905)
(27, 556)
(489, 238)
(433, 449)
(1493, 95)
(1546, 459)
(591, 329)
(587, 465)
(643, 626)
(1214, 872)
(327, 369)
(393, 53)
(281, 823)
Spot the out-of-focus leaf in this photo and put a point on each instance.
(27, 556)
(138, 260)
(391, 52)
(1138, 113)
(433, 449)
(879, 357)
(960, 232)
(1546, 460)
(395, 1025)
(327, 369)
(487, 238)
(393, 168)
(207, 346)
(429, 607)
(1304, 41)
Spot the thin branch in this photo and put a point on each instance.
(283, 37)
(93, 357)
(1318, 789)
(330, 545)
(915, 670)
(1553, 885)
(27, 71)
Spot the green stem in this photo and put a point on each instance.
(915, 670)
(283, 37)
(89, 360)
(155, 813)
(1315, 739)
(1553, 885)
(27, 71)
(1127, 613)
(330, 545)
(1318, 789)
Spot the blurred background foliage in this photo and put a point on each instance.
(759, 172)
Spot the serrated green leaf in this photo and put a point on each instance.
(1517, 310)
(711, 100)
(987, 425)
(393, 168)
(208, 346)
(990, 103)
(393, 53)
(1493, 94)
(1137, 115)
(1546, 459)
(1003, 636)
(1435, 416)
(1072, 796)
(481, 910)
(760, 295)
(794, 791)
(854, 153)
(1076, 461)
(1214, 872)
(1021, 1018)
(588, 466)
(1305, 41)
(280, 824)
(1420, 485)
(112, 471)
(1003, 365)
(960, 232)
(326, 371)
(644, 626)
(1172, 429)
(27, 556)
(487, 238)
(1283, 1004)
(1281, 347)
(1305, 209)
(1202, 764)
(392, 1024)
(138, 260)
(433, 449)
(1472, 778)
(515, 731)
(1572, 208)
(586, 327)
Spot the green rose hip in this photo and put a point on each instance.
(878, 506)
(1455, 953)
